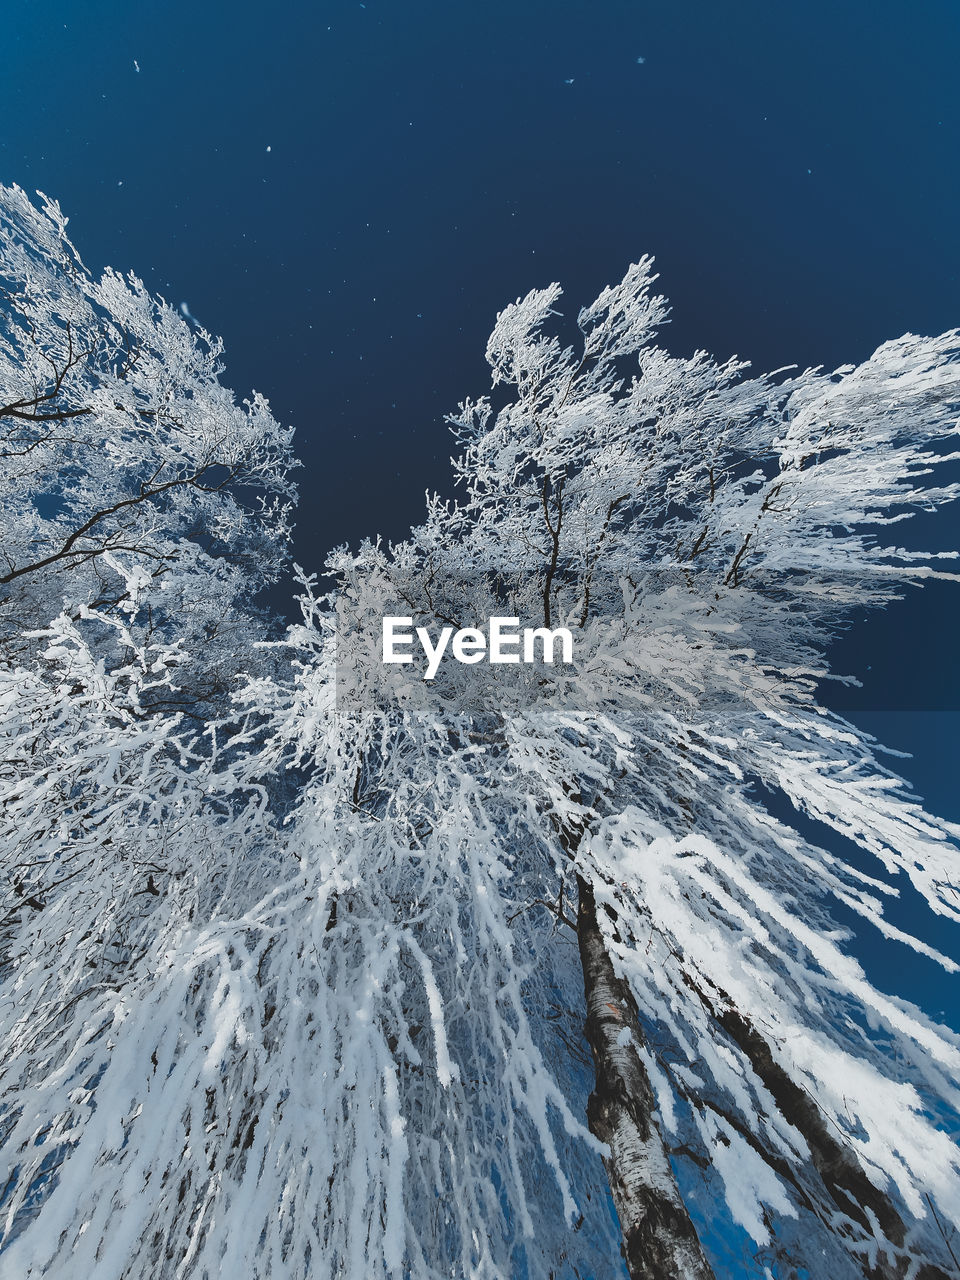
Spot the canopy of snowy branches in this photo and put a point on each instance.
(290, 966)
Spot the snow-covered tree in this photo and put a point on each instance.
(131, 482)
(704, 535)
(347, 1039)
(141, 511)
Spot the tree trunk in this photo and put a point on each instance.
(840, 1171)
(659, 1240)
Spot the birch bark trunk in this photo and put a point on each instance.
(659, 1240)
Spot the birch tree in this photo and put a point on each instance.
(530, 938)
(705, 535)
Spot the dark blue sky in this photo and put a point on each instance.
(349, 192)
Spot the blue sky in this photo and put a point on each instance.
(349, 192)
